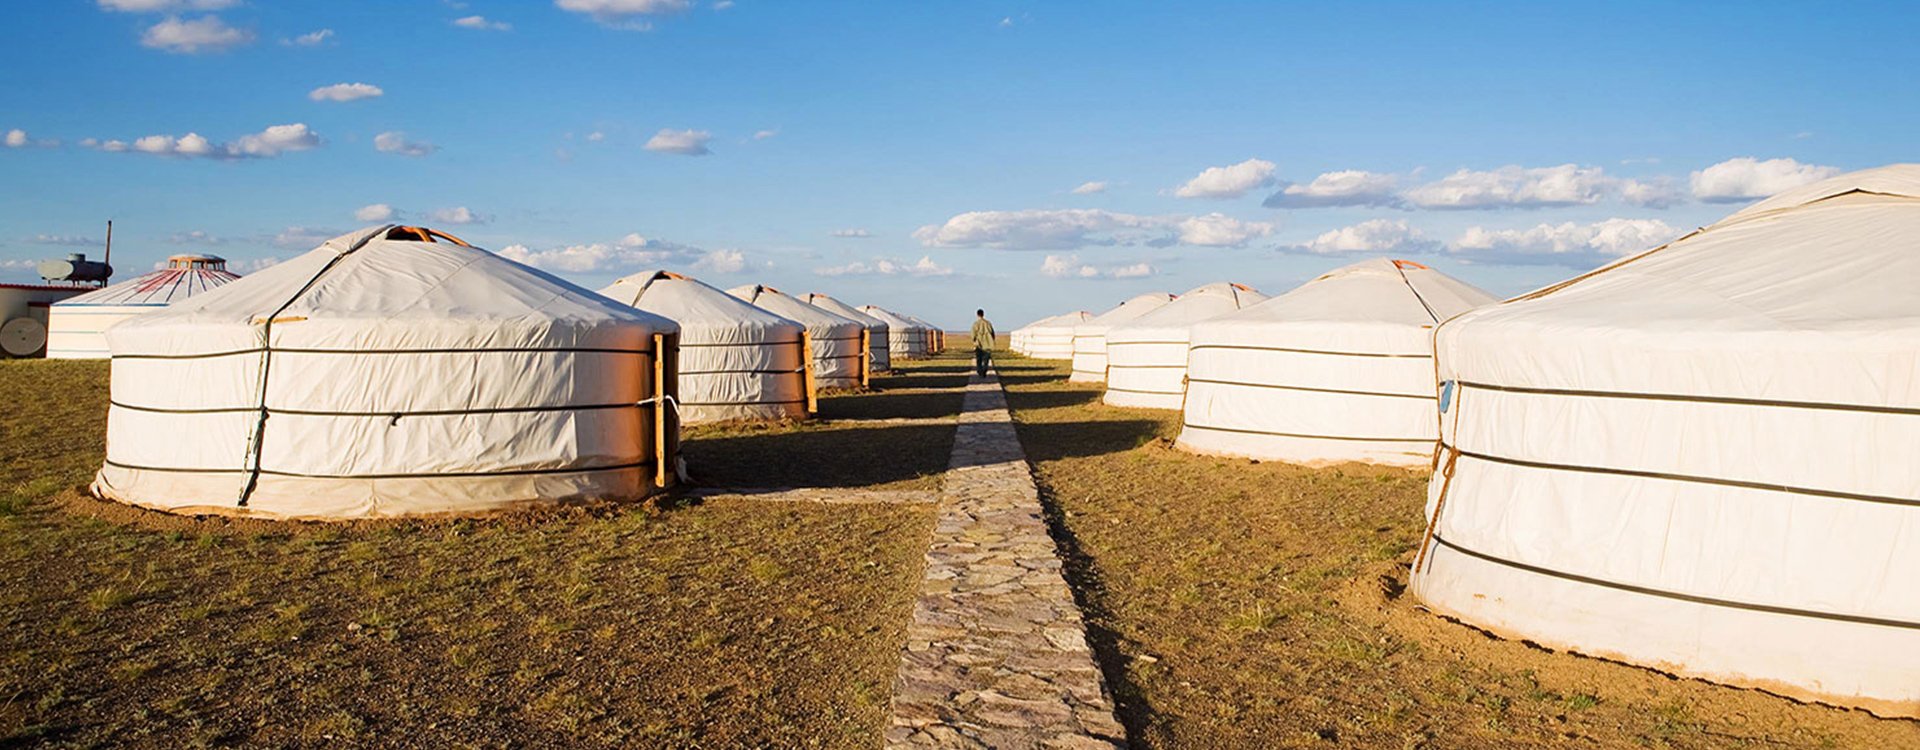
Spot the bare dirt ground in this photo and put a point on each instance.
(723, 623)
(1237, 604)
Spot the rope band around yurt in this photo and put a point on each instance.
(1305, 435)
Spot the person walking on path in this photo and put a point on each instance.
(982, 342)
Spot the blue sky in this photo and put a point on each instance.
(925, 155)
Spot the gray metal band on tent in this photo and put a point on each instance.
(1643, 474)
(479, 350)
(717, 345)
(1198, 347)
(393, 414)
(1421, 396)
(427, 475)
(684, 373)
(1693, 598)
(1308, 436)
(1684, 398)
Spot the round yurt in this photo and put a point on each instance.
(1339, 369)
(393, 371)
(1090, 337)
(905, 338)
(936, 342)
(1147, 356)
(76, 327)
(737, 362)
(877, 357)
(1700, 458)
(1053, 338)
(838, 344)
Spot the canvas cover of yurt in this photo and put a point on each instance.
(936, 342)
(392, 371)
(737, 362)
(1701, 458)
(1339, 369)
(837, 343)
(1053, 338)
(876, 328)
(1090, 337)
(1147, 356)
(905, 338)
(76, 327)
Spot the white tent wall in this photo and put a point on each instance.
(834, 341)
(905, 339)
(402, 377)
(877, 332)
(1090, 337)
(737, 362)
(1053, 338)
(929, 331)
(1700, 458)
(1147, 356)
(1339, 369)
(76, 327)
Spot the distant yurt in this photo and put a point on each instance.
(1340, 369)
(1701, 458)
(935, 342)
(1147, 356)
(838, 344)
(905, 338)
(393, 371)
(1090, 337)
(737, 362)
(1053, 338)
(876, 328)
(76, 327)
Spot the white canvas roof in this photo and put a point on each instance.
(1147, 356)
(404, 373)
(905, 338)
(737, 361)
(76, 327)
(1090, 337)
(1700, 457)
(1053, 338)
(876, 328)
(1339, 369)
(836, 340)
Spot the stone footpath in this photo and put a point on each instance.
(996, 654)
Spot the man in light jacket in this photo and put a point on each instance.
(982, 342)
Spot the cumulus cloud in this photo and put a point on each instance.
(345, 92)
(721, 261)
(304, 238)
(627, 15)
(1220, 230)
(888, 267)
(375, 212)
(628, 253)
(455, 215)
(1070, 267)
(395, 142)
(266, 144)
(160, 6)
(195, 237)
(1567, 242)
(596, 137)
(761, 135)
(67, 240)
(1347, 187)
(17, 138)
(249, 265)
(1746, 178)
(481, 23)
(1371, 236)
(1658, 192)
(858, 233)
(204, 34)
(1066, 229)
(683, 142)
(1515, 187)
(1230, 181)
(1089, 188)
(309, 39)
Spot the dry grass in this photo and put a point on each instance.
(1236, 604)
(727, 623)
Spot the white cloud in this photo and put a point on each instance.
(1221, 230)
(761, 135)
(158, 6)
(69, 240)
(1091, 187)
(345, 92)
(1580, 243)
(722, 4)
(195, 237)
(304, 238)
(888, 267)
(722, 261)
(205, 34)
(251, 265)
(375, 212)
(1371, 236)
(1658, 192)
(683, 142)
(395, 142)
(1515, 187)
(623, 14)
(1746, 178)
(1070, 267)
(309, 39)
(1006, 22)
(629, 253)
(596, 137)
(455, 215)
(266, 144)
(481, 23)
(17, 138)
(1230, 181)
(1347, 187)
(858, 233)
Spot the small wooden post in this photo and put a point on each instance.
(662, 470)
(866, 358)
(806, 364)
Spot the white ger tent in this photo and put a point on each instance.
(76, 326)
(1052, 338)
(737, 361)
(838, 344)
(391, 371)
(1339, 369)
(1147, 356)
(1090, 337)
(936, 338)
(1701, 457)
(905, 338)
(876, 328)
